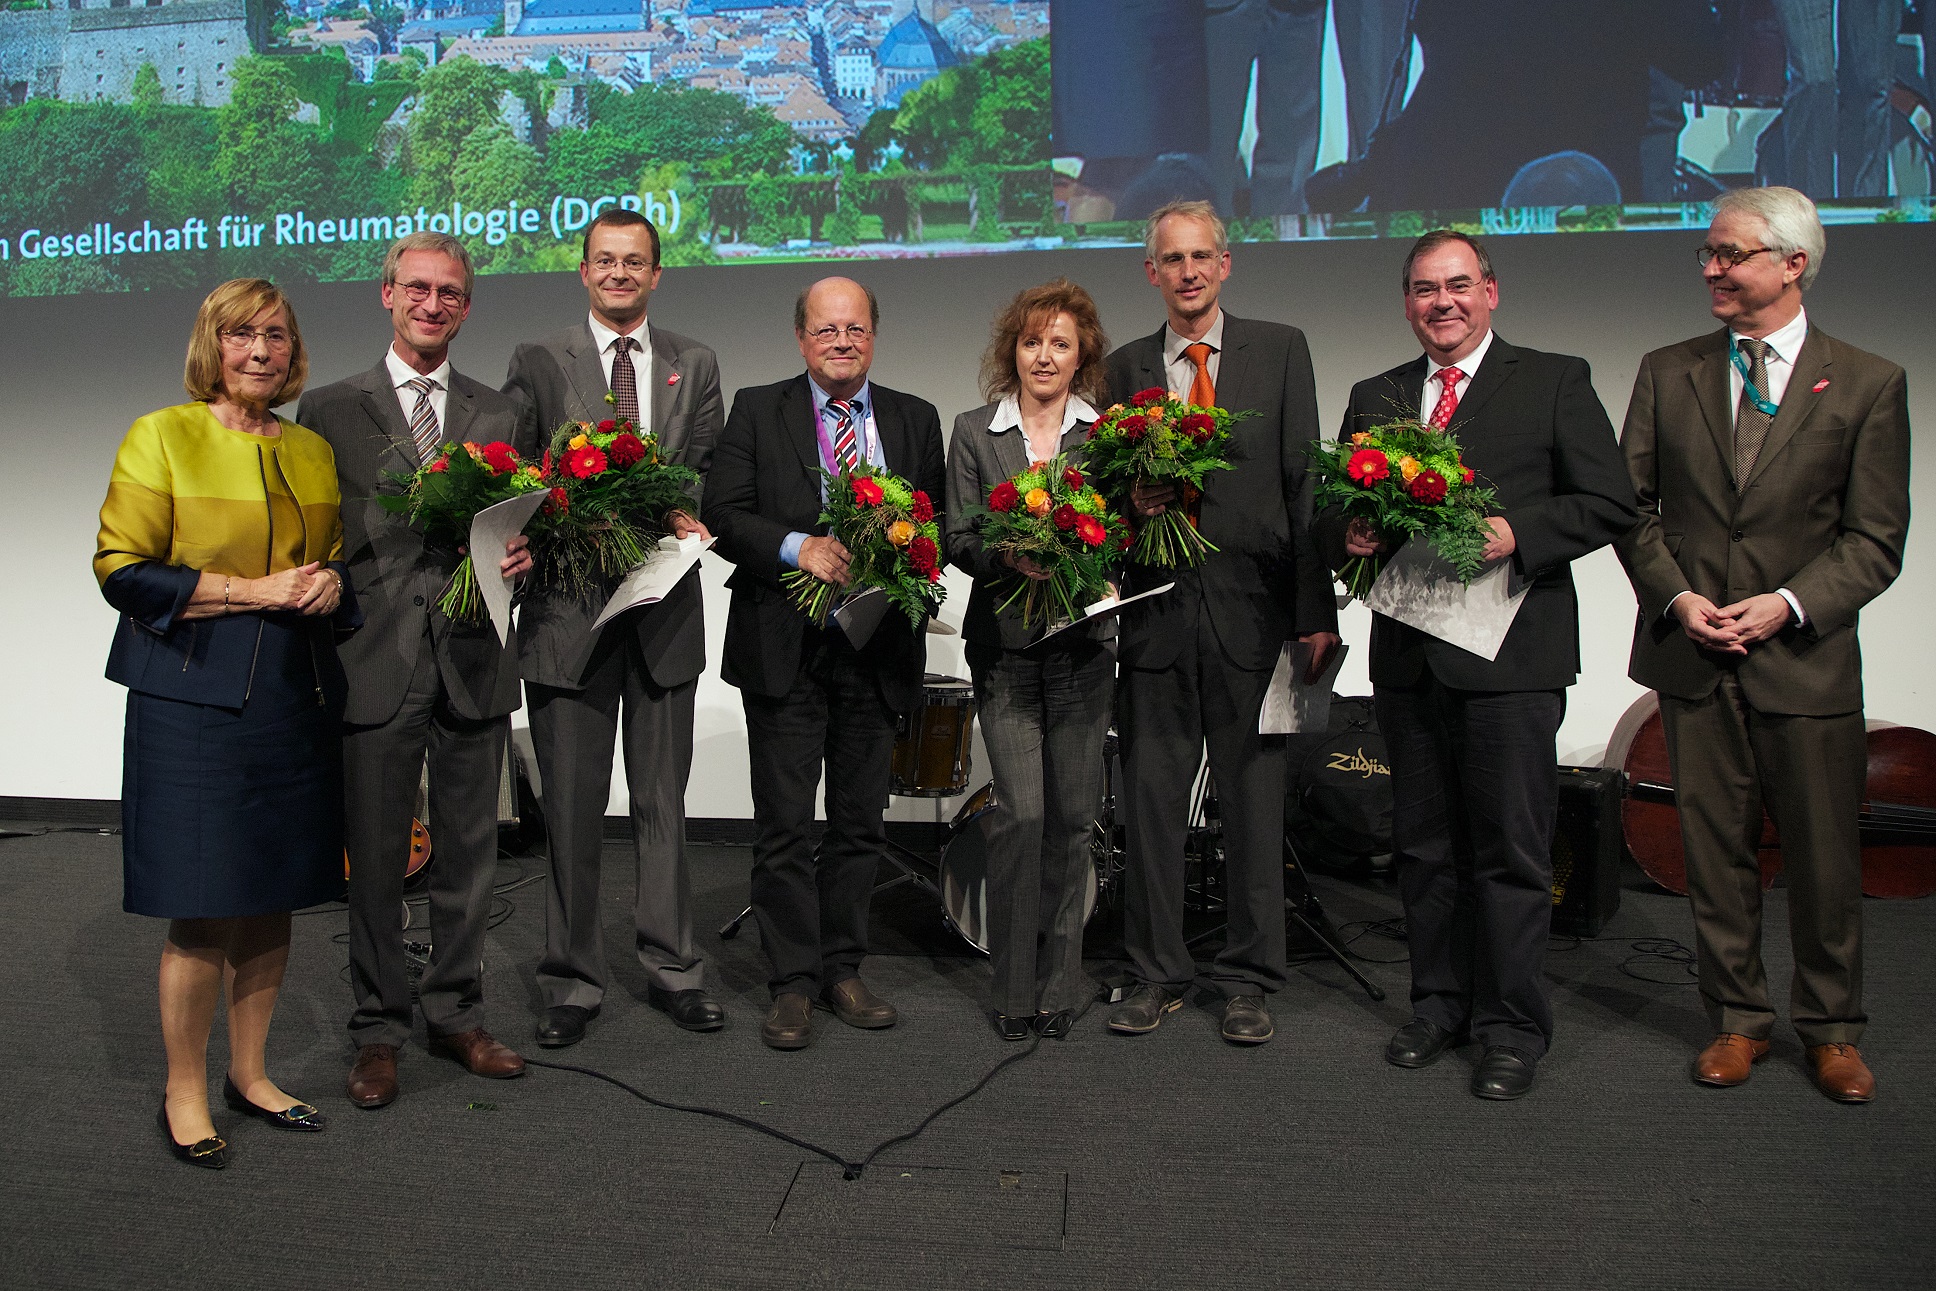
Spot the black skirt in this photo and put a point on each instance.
(232, 812)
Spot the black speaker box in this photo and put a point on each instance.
(1586, 851)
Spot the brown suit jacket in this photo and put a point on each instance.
(1824, 514)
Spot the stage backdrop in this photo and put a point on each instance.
(77, 370)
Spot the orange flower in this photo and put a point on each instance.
(900, 533)
(1408, 468)
(1037, 502)
(1362, 437)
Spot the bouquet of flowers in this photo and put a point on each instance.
(892, 539)
(611, 491)
(1406, 478)
(1050, 514)
(443, 496)
(1158, 438)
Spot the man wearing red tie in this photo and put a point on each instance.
(1473, 762)
(1772, 464)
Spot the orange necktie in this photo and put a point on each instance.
(1203, 393)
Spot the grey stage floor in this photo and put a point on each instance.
(1171, 1160)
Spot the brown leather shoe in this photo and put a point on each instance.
(1729, 1060)
(857, 1006)
(1840, 1073)
(789, 1022)
(480, 1054)
(373, 1076)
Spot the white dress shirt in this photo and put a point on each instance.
(1008, 416)
(1176, 364)
(401, 373)
(1468, 367)
(641, 364)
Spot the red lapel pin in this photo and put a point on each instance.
(672, 379)
(1821, 385)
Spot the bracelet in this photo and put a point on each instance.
(227, 580)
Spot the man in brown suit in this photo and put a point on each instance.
(1772, 464)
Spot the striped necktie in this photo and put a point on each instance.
(424, 431)
(1750, 423)
(846, 456)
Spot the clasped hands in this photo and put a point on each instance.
(314, 589)
(1731, 629)
(1361, 539)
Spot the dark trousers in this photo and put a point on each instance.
(382, 766)
(1728, 760)
(1044, 714)
(1166, 717)
(812, 904)
(1476, 784)
(573, 733)
(1285, 39)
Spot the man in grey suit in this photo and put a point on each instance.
(644, 663)
(420, 684)
(1197, 661)
(1772, 464)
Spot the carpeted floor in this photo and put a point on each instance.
(1170, 1160)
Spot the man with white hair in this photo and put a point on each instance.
(1772, 466)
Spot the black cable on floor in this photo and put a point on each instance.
(103, 830)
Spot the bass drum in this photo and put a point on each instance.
(964, 872)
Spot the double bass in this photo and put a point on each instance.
(1897, 816)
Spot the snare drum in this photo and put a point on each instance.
(932, 753)
(964, 872)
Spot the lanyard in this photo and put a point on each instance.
(1759, 400)
(862, 441)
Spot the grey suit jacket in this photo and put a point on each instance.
(978, 460)
(1825, 514)
(397, 577)
(560, 379)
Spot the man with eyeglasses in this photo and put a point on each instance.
(421, 685)
(814, 700)
(637, 678)
(1772, 465)
(1196, 661)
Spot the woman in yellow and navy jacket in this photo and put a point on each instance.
(221, 546)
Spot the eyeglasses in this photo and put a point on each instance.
(244, 338)
(1728, 256)
(854, 334)
(419, 292)
(638, 265)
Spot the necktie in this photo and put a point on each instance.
(1448, 404)
(846, 456)
(1750, 423)
(625, 380)
(1203, 392)
(424, 431)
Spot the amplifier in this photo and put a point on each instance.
(1586, 851)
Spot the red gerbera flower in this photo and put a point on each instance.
(1003, 497)
(500, 457)
(626, 451)
(1368, 466)
(1064, 516)
(439, 466)
(586, 462)
(1091, 530)
(923, 508)
(1468, 473)
(1427, 487)
(866, 492)
(558, 504)
(1149, 397)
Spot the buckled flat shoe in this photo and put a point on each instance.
(857, 1006)
(1246, 1020)
(1502, 1073)
(692, 1009)
(1009, 1028)
(1056, 1025)
(300, 1116)
(1729, 1060)
(564, 1025)
(1143, 1008)
(480, 1054)
(1839, 1072)
(1420, 1044)
(211, 1153)
(789, 1022)
(373, 1076)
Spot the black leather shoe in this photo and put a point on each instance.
(1246, 1020)
(694, 1009)
(564, 1024)
(299, 1117)
(1056, 1025)
(1502, 1073)
(1009, 1028)
(1420, 1044)
(1143, 1009)
(211, 1153)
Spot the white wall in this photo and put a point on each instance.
(75, 371)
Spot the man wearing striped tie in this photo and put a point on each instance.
(420, 685)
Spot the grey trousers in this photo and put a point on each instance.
(1728, 760)
(1835, 112)
(1044, 714)
(1285, 39)
(382, 766)
(573, 733)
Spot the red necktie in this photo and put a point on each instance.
(1449, 379)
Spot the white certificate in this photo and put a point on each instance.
(1107, 607)
(651, 582)
(1418, 587)
(860, 614)
(1293, 706)
(491, 528)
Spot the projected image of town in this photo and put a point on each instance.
(150, 144)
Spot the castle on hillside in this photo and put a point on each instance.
(90, 50)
